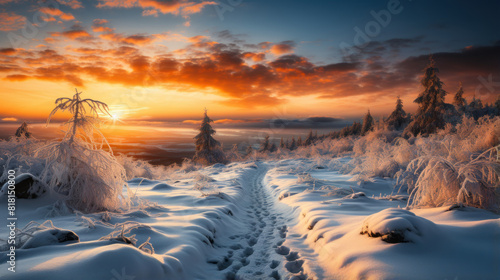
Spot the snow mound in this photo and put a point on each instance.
(27, 186)
(395, 225)
(162, 186)
(50, 236)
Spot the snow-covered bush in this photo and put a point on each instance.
(435, 181)
(77, 169)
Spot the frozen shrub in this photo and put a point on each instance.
(437, 182)
(88, 178)
(437, 185)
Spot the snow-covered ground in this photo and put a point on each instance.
(289, 219)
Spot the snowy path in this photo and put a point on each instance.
(262, 252)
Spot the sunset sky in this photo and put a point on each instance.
(244, 60)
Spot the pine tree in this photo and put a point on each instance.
(273, 148)
(299, 141)
(398, 117)
(367, 123)
(208, 150)
(429, 117)
(249, 150)
(22, 131)
(287, 145)
(497, 105)
(292, 146)
(459, 100)
(234, 154)
(476, 103)
(265, 146)
(355, 129)
(282, 143)
(309, 139)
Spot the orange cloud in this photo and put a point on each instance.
(51, 13)
(72, 34)
(151, 12)
(175, 7)
(9, 119)
(282, 48)
(196, 8)
(11, 21)
(74, 4)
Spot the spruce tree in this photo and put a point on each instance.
(208, 150)
(309, 139)
(282, 143)
(265, 146)
(249, 150)
(22, 131)
(429, 117)
(367, 123)
(398, 117)
(458, 99)
(293, 145)
(273, 148)
(299, 141)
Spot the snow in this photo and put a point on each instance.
(275, 219)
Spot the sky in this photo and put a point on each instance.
(317, 63)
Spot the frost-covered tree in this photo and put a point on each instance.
(208, 150)
(22, 131)
(265, 145)
(476, 103)
(273, 148)
(293, 145)
(429, 117)
(398, 118)
(367, 123)
(459, 100)
(77, 168)
(249, 151)
(234, 154)
(309, 139)
(299, 141)
(497, 106)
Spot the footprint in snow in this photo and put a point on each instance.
(294, 266)
(282, 250)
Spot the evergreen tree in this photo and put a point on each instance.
(398, 117)
(429, 117)
(208, 150)
(299, 141)
(497, 106)
(293, 145)
(249, 150)
(367, 123)
(265, 146)
(282, 143)
(459, 100)
(22, 131)
(234, 154)
(476, 103)
(309, 139)
(273, 148)
(355, 128)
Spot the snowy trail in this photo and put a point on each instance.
(266, 250)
